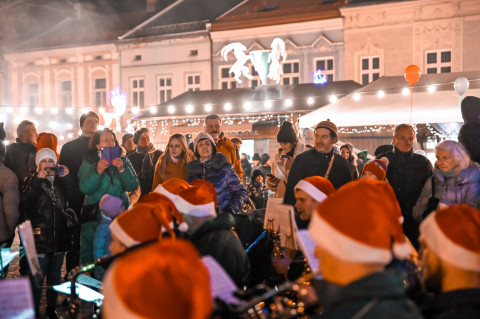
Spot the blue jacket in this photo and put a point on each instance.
(217, 170)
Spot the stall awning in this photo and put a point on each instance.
(365, 107)
(185, 129)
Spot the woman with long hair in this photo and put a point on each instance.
(346, 151)
(455, 180)
(97, 177)
(173, 162)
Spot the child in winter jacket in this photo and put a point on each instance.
(257, 191)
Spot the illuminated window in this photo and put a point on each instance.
(369, 69)
(66, 93)
(164, 89)
(32, 96)
(138, 92)
(327, 66)
(100, 91)
(291, 72)
(227, 80)
(438, 61)
(193, 82)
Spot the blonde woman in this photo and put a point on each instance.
(173, 162)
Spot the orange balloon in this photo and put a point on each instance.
(412, 74)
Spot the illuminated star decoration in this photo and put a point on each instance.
(319, 78)
(262, 60)
(119, 102)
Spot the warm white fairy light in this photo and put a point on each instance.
(189, 108)
(310, 100)
(228, 106)
(70, 135)
(38, 110)
(332, 98)
(23, 109)
(356, 96)
(171, 109)
(102, 110)
(288, 102)
(268, 104)
(9, 109)
(405, 91)
(69, 110)
(135, 110)
(380, 94)
(247, 106)
(153, 109)
(431, 88)
(208, 107)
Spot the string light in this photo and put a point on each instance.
(356, 96)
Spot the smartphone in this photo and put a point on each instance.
(110, 152)
(56, 170)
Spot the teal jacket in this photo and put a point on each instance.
(111, 182)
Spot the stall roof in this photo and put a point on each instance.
(365, 107)
(191, 104)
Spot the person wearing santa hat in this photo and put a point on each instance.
(450, 263)
(376, 170)
(162, 280)
(309, 192)
(358, 231)
(213, 235)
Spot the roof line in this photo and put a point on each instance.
(141, 25)
(238, 5)
(54, 27)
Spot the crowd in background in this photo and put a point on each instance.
(83, 205)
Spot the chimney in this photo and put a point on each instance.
(151, 5)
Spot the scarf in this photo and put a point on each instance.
(144, 150)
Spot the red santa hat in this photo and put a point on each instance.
(197, 202)
(203, 183)
(142, 223)
(165, 280)
(165, 202)
(377, 167)
(172, 187)
(361, 223)
(453, 234)
(318, 187)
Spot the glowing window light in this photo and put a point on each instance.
(153, 109)
(356, 96)
(405, 91)
(38, 110)
(208, 107)
(332, 98)
(69, 110)
(288, 102)
(171, 109)
(135, 110)
(310, 100)
(247, 105)
(189, 108)
(319, 78)
(228, 107)
(268, 104)
(431, 88)
(380, 94)
(102, 110)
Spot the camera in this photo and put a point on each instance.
(56, 170)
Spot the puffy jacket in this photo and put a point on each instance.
(217, 170)
(9, 200)
(49, 224)
(225, 146)
(461, 189)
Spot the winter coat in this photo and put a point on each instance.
(172, 170)
(456, 304)
(9, 200)
(148, 171)
(218, 171)
(314, 163)
(258, 193)
(20, 158)
(247, 170)
(407, 174)
(381, 295)
(461, 189)
(469, 137)
(217, 239)
(71, 156)
(49, 224)
(225, 146)
(281, 165)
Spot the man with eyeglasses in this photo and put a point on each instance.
(407, 172)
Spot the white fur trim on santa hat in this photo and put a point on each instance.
(311, 190)
(187, 208)
(121, 235)
(112, 307)
(447, 249)
(162, 190)
(344, 247)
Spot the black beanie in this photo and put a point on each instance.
(88, 114)
(3, 136)
(126, 137)
(264, 158)
(256, 173)
(138, 133)
(286, 133)
(471, 109)
(256, 157)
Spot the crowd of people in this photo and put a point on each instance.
(162, 210)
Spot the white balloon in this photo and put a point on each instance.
(461, 85)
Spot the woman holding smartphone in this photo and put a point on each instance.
(99, 176)
(44, 198)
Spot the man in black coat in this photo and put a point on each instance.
(71, 156)
(319, 161)
(407, 172)
(450, 263)
(247, 169)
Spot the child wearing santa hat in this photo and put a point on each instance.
(376, 170)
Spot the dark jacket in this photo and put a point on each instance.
(314, 163)
(381, 295)
(9, 200)
(217, 170)
(145, 178)
(217, 239)
(247, 170)
(407, 173)
(20, 158)
(457, 304)
(469, 136)
(49, 224)
(71, 156)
